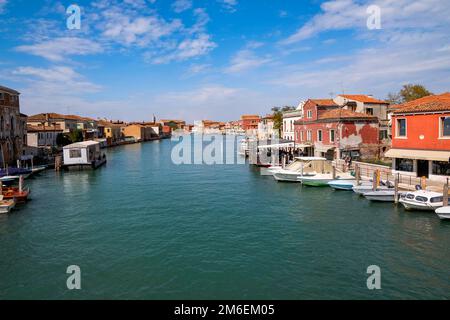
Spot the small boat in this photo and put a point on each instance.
(381, 195)
(322, 179)
(366, 187)
(15, 172)
(15, 193)
(342, 184)
(422, 200)
(6, 205)
(443, 213)
(9, 180)
(38, 169)
(300, 167)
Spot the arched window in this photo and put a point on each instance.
(12, 125)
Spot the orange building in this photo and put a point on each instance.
(250, 122)
(421, 137)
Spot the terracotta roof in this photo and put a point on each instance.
(362, 98)
(250, 116)
(344, 114)
(43, 128)
(324, 102)
(52, 115)
(439, 102)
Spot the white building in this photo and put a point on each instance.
(83, 154)
(288, 121)
(43, 136)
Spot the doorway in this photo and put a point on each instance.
(422, 168)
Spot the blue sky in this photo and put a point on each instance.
(216, 59)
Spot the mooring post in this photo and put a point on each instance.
(396, 188)
(374, 182)
(445, 194)
(357, 174)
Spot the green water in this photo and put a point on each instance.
(143, 228)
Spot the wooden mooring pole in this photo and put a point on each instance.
(396, 188)
(445, 194)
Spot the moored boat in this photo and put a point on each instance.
(14, 193)
(422, 200)
(38, 169)
(366, 187)
(6, 205)
(342, 184)
(323, 179)
(443, 213)
(381, 195)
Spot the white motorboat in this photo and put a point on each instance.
(6, 205)
(443, 213)
(368, 187)
(302, 166)
(323, 179)
(422, 200)
(381, 195)
(38, 169)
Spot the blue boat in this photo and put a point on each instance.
(342, 184)
(15, 172)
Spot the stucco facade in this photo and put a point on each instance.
(12, 126)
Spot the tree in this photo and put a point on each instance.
(277, 119)
(394, 98)
(411, 92)
(76, 136)
(62, 140)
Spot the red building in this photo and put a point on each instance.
(327, 130)
(250, 122)
(421, 137)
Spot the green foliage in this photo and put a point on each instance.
(76, 136)
(62, 140)
(409, 92)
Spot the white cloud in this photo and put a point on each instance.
(230, 5)
(181, 5)
(216, 102)
(57, 49)
(55, 81)
(351, 14)
(186, 49)
(245, 60)
(2, 5)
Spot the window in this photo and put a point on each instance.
(319, 135)
(404, 165)
(421, 199)
(2, 96)
(369, 111)
(383, 134)
(401, 127)
(441, 168)
(301, 135)
(309, 114)
(309, 135)
(445, 127)
(75, 153)
(331, 135)
(436, 199)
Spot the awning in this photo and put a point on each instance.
(276, 146)
(419, 154)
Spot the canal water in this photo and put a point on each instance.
(144, 228)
